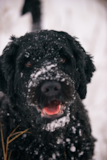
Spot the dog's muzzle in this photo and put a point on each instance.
(51, 91)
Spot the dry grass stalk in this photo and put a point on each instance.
(13, 135)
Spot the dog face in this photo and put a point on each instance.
(42, 72)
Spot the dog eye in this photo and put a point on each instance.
(62, 59)
(28, 63)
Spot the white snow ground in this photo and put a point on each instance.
(85, 19)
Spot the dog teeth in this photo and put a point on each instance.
(60, 106)
(43, 111)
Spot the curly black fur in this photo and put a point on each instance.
(26, 65)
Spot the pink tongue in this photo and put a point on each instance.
(52, 108)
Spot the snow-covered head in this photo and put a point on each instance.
(48, 69)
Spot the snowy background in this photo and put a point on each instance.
(85, 19)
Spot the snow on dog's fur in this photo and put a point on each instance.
(44, 76)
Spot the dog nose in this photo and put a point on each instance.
(51, 88)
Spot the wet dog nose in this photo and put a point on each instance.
(51, 88)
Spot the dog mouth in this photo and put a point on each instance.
(52, 109)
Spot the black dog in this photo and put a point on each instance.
(44, 77)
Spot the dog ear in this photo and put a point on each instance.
(7, 67)
(84, 66)
(2, 79)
